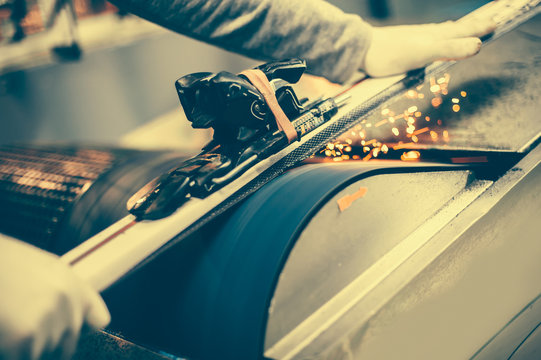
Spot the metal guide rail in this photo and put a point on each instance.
(109, 255)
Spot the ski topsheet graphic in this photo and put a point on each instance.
(261, 129)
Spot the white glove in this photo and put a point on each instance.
(397, 49)
(43, 304)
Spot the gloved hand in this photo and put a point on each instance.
(397, 49)
(43, 304)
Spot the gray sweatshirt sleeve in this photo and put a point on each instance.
(333, 43)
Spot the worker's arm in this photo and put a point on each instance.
(43, 304)
(333, 43)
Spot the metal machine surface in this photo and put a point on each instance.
(443, 290)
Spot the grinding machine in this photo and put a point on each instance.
(414, 231)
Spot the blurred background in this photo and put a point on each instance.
(83, 71)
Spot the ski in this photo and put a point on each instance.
(180, 202)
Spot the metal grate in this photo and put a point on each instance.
(38, 187)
